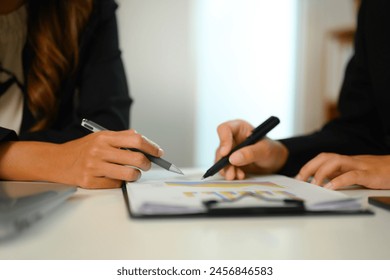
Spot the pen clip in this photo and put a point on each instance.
(92, 126)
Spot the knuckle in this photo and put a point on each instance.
(147, 165)
(139, 158)
(221, 128)
(137, 140)
(94, 152)
(89, 166)
(102, 136)
(323, 155)
(133, 174)
(338, 159)
(304, 170)
(218, 151)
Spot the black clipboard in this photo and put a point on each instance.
(216, 209)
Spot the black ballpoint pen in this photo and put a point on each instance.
(257, 134)
(94, 127)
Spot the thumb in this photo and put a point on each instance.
(243, 156)
(226, 140)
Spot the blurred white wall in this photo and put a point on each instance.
(156, 44)
(245, 66)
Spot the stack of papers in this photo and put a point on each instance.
(185, 197)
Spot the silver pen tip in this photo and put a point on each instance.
(173, 168)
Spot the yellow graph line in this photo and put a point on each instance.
(222, 184)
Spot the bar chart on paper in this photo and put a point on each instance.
(209, 189)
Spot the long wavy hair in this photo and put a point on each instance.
(54, 28)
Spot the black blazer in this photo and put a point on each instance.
(364, 123)
(98, 91)
(7, 135)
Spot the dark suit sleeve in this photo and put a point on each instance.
(7, 135)
(359, 129)
(99, 91)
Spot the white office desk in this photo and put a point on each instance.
(94, 224)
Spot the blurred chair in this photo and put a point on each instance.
(338, 50)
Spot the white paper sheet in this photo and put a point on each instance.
(186, 196)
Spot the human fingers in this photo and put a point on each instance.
(230, 133)
(312, 166)
(229, 172)
(369, 178)
(122, 172)
(233, 173)
(101, 183)
(327, 166)
(114, 176)
(106, 175)
(126, 157)
(130, 139)
(349, 178)
(240, 174)
(332, 166)
(265, 156)
(247, 155)
(100, 150)
(326, 171)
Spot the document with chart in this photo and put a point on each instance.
(262, 195)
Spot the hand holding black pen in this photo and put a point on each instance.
(257, 134)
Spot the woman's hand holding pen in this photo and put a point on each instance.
(97, 160)
(94, 161)
(266, 156)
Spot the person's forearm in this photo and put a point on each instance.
(29, 161)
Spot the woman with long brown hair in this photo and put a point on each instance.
(59, 63)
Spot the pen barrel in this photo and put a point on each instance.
(159, 161)
(156, 160)
(267, 125)
(257, 134)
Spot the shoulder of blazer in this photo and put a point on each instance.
(102, 10)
